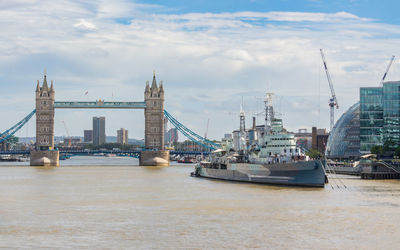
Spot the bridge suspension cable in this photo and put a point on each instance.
(190, 134)
(11, 131)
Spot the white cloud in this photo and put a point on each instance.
(207, 61)
(85, 25)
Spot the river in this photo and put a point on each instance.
(98, 202)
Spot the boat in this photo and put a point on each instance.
(264, 154)
(187, 159)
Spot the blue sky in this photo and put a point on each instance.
(382, 10)
(209, 55)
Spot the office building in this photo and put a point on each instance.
(371, 117)
(319, 138)
(122, 136)
(88, 136)
(344, 139)
(172, 135)
(99, 130)
(379, 115)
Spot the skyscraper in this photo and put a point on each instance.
(122, 136)
(88, 136)
(173, 135)
(99, 130)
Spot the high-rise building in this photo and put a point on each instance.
(371, 117)
(99, 130)
(166, 137)
(379, 115)
(122, 136)
(172, 135)
(88, 136)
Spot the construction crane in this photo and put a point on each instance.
(205, 134)
(332, 101)
(387, 70)
(69, 137)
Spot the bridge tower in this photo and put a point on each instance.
(154, 115)
(154, 125)
(44, 153)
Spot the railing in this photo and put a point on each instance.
(100, 105)
(394, 168)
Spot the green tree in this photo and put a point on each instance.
(377, 149)
(397, 151)
(314, 154)
(389, 146)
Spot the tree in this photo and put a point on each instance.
(397, 151)
(377, 149)
(389, 146)
(314, 154)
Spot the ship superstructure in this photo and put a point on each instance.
(264, 155)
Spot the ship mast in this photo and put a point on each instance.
(242, 138)
(269, 113)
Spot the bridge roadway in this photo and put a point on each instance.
(100, 105)
(91, 152)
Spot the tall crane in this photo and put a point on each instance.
(69, 137)
(387, 70)
(332, 101)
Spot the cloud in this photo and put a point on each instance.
(208, 61)
(85, 25)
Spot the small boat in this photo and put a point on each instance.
(187, 159)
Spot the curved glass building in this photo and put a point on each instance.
(344, 140)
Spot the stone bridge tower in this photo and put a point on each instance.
(44, 153)
(154, 115)
(154, 155)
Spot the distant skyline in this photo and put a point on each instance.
(209, 55)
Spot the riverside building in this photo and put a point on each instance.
(99, 130)
(379, 115)
(122, 136)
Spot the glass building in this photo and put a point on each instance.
(372, 121)
(379, 115)
(344, 139)
(391, 111)
(371, 118)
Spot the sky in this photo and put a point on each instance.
(210, 55)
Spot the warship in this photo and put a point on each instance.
(264, 154)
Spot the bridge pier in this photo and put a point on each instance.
(50, 158)
(154, 158)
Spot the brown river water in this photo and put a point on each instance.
(119, 205)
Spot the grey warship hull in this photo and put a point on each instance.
(302, 173)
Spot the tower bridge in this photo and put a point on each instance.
(153, 106)
(45, 154)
